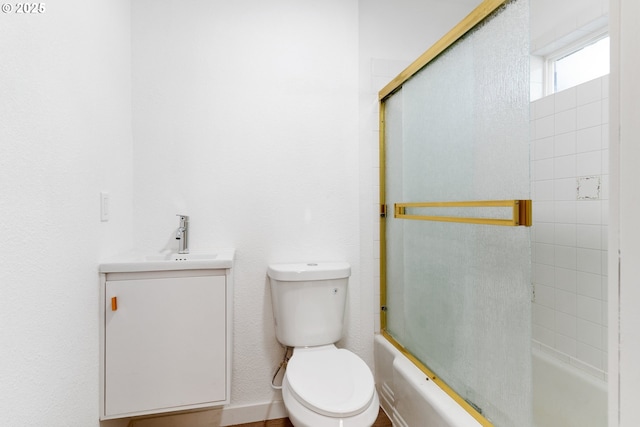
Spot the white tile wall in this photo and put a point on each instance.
(569, 142)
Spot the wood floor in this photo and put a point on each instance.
(381, 421)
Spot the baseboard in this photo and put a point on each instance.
(233, 415)
(218, 417)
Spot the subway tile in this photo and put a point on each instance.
(604, 185)
(589, 163)
(545, 254)
(565, 100)
(565, 324)
(589, 139)
(545, 211)
(543, 148)
(532, 130)
(589, 115)
(589, 309)
(543, 169)
(564, 189)
(605, 136)
(590, 355)
(565, 279)
(543, 107)
(605, 161)
(589, 260)
(589, 333)
(604, 256)
(565, 257)
(604, 231)
(564, 166)
(545, 233)
(564, 144)
(565, 302)
(545, 295)
(565, 121)
(544, 316)
(565, 344)
(543, 335)
(589, 284)
(589, 212)
(543, 190)
(544, 127)
(564, 211)
(589, 236)
(543, 274)
(605, 111)
(588, 92)
(565, 234)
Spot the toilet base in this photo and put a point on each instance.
(301, 416)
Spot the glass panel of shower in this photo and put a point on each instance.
(458, 295)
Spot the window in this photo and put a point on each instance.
(578, 64)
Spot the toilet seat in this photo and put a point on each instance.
(330, 381)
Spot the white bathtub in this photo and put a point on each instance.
(563, 396)
(408, 397)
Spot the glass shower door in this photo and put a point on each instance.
(458, 293)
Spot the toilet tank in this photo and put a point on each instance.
(308, 302)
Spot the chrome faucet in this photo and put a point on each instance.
(183, 234)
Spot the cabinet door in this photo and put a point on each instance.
(164, 343)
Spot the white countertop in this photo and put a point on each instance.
(134, 262)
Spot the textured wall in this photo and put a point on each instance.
(255, 107)
(65, 135)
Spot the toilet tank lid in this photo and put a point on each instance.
(299, 272)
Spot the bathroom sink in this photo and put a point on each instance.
(182, 257)
(133, 262)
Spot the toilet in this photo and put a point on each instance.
(323, 386)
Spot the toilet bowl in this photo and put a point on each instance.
(329, 387)
(323, 386)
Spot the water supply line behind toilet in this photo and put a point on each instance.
(283, 366)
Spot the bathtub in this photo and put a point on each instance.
(563, 396)
(408, 398)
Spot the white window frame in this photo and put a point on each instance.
(568, 49)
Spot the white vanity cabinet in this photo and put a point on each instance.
(165, 340)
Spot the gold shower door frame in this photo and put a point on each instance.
(521, 208)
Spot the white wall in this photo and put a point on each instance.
(245, 118)
(65, 135)
(553, 21)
